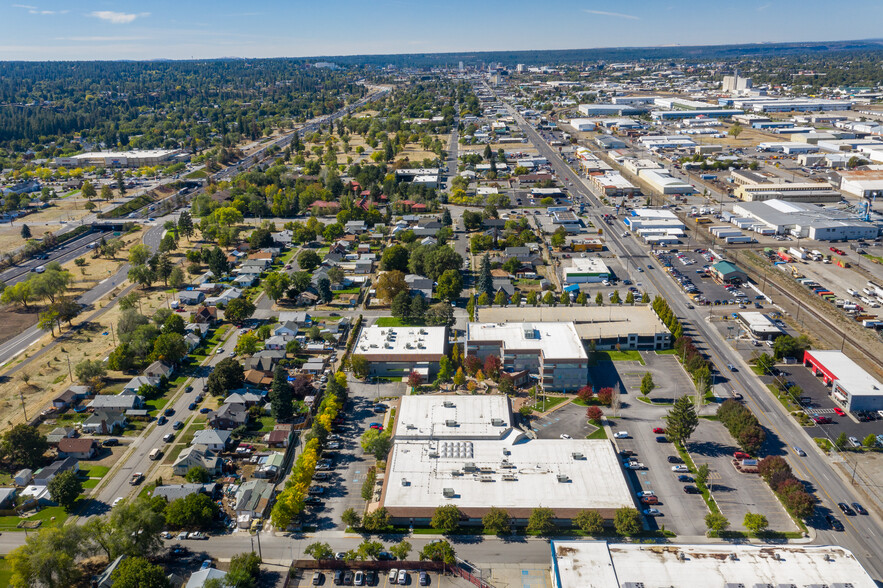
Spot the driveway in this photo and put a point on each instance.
(735, 493)
(569, 419)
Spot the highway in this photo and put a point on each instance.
(62, 254)
(863, 535)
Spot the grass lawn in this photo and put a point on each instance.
(90, 484)
(549, 403)
(187, 436)
(197, 175)
(5, 572)
(267, 424)
(666, 352)
(354, 290)
(391, 321)
(157, 404)
(600, 433)
(10, 523)
(95, 471)
(173, 453)
(629, 355)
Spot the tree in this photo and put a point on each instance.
(594, 414)
(840, 441)
(766, 363)
(185, 224)
(25, 232)
(485, 283)
(788, 346)
(438, 551)
(170, 347)
(24, 445)
(415, 379)
(64, 489)
(599, 299)
(471, 220)
(359, 365)
(870, 441)
(401, 550)
(589, 521)
(395, 258)
(441, 313)
(88, 190)
(47, 321)
(217, 262)
(245, 569)
(239, 309)
(500, 298)
(319, 551)
(391, 284)
(615, 299)
(227, 375)
(18, 293)
(541, 521)
(281, 397)
(716, 522)
(194, 511)
(446, 518)
(627, 521)
(351, 518)
(755, 522)
(370, 549)
(401, 305)
(497, 521)
(198, 475)
(630, 298)
(647, 384)
(681, 420)
(450, 285)
(377, 443)
(49, 557)
(308, 260)
(275, 285)
(772, 465)
(90, 372)
(139, 254)
(735, 131)
(702, 473)
(324, 289)
(137, 572)
(142, 275)
(336, 275)
(559, 237)
(459, 377)
(377, 520)
(176, 278)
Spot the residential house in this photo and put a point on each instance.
(198, 579)
(229, 416)
(133, 385)
(104, 422)
(206, 277)
(158, 369)
(307, 297)
(190, 297)
(213, 439)
(420, 284)
(60, 433)
(260, 363)
(43, 475)
(224, 297)
(262, 264)
(429, 241)
(245, 280)
(206, 315)
(283, 238)
(257, 378)
(192, 340)
(78, 448)
(120, 402)
(299, 318)
(23, 477)
(175, 491)
(519, 253)
(363, 266)
(286, 329)
(280, 436)
(198, 329)
(7, 498)
(104, 580)
(251, 500)
(314, 366)
(245, 399)
(263, 254)
(71, 396)
(269, 466)
(277, 342)
(324, 208)
(355, 227)
(196, 456)
(504, 284)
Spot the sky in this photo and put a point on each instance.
(186, 29)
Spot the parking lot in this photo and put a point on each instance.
(735, 493)
(569, 419)
(689, 269)
(669, 377)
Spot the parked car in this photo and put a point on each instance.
(192, 406)
(659, 430)
(684, 478)
(649, 500)
(168, 437)
(338, 577)
(691, 490)
(393, 576)
(680, 468)
(839, 411)
(621, 435)
(402, 577)
(110, 442)
(318, 578)
(652, 512)
(424, 579)
(675, 459)
(161, 420)
(169, 412)
(644, 493)
(177, 425)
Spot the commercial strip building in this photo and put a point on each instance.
(599, 564)
(585, 270)
(605, 327)
(851, 386)
(663, 182)
(582, 124)
(773, 104)
(706, 113)
(864, 184)
(134, 158)
(550, 351)
(396, 351)
(759, 325)
(464, 450)
(816, 192)
(806, 220)
(655, 225)
(612, 183)
(598, 109)
(728, 273)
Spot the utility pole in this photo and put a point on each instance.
(69, 370)
(21, 395)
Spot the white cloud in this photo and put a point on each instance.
(35, 10)
(117, 17)
(101, 39)
(614, 14)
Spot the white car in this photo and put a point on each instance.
(393, 574)
(644, 493)
(116, 501)
(652, 512)
(565, 436)
(634, 465)
(403, 577)
(680, 469)
(621, 435)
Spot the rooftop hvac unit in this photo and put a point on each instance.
(408, 346)
(421, 346)
(734, 585)
(469, 467)
(633, 585)
(457, 473)
(507, 451)
(387, 346)
(509, 478)
(423, 331)
(563, 478)
(450, 423)
(448, 492)
(485, 479)
(433, 454)
(578, 455)
(498, 422)
(405, 482)
(410, 427)
(448, 404)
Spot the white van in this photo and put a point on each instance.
(155, 454)
(39, 269)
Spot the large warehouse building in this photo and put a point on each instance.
(396, 351)
(864, 184)
(854, 388)
(815, 192)
(598, 564)
(135, 158)
(605, 327)
(663, 182)
(552, 352)
(586, 270)
(807, 220)
(464, 450)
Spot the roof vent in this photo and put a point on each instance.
(507, 451)
(498, 422)
(563, 478)
(451, 423)
(405, 482)
(433, 454)
(510, 478)
(577, 455)
(485, 479)
(448, 404)
(448, 492)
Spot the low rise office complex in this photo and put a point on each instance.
(396, 351)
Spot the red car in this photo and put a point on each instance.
(839, 411)
(741, 455)
(659, 430)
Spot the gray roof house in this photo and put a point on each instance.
(190, 296)
(253, 498)
(43, 475)
(213, 439)
(174, 491)
(196, 456)
(119, 402)
(60, 433)
(421, 284)
(159, 369)
(104, 421)
(229, 416)
(135, 383)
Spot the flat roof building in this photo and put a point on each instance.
(629, 327)
(598, 564)
(807, 220)
(612, 183)
(586, 269)
(851, 386)
(728, 272)
(134, 158)
(864, 184)
(759, 325)
(799, 192)
(396, 351)
(707, 113)
(500, 466)
(663, 182)
(551, 352)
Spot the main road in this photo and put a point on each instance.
(863, 534)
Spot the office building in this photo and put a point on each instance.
(397, 351)
(586, 270)
(134, 158)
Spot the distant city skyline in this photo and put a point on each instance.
(56, 30)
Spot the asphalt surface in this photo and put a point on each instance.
(68, 252)
(864, 535)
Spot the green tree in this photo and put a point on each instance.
(359, 365)
(615, 299)
(194, 511)
(377, 443)
(88, 190)
(485, 283)
(765, 363)
(275, 285)
(500, 298)
(176, 277)
(627, 521)
(24, 446)
(870, 441)
(559, 237)
(25, 232)
(370, 549)
(716, 522)
(756, 523)
(647, 384)
(319, 551)
(401, 550)
(308, 260)
(227, 375)
(541, 521)
(401, 305)
(351, 518)
(681, 420)
(645, 298)
(65, 488)
(281, 396)
(90, 372)
(390, 284)
(137, 572)
(599, 299)
(197, 475)
(702, 473)
(450, 285)
(840, 441)
(459, 377)
(497, 521)
(139, 254)
(630, 298)
(170, 347)
(446, 518)
(438, 551)
(735, 131)
(248, 344)
(239, 309)
(245, 570)
(589, 521)
(324, 290)
(185, 224)
(377, 520)
(49, 557)
(395, 258)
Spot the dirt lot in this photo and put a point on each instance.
(14, 322)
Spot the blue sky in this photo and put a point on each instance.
(123, 29)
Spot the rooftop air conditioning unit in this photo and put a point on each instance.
(577, 455)
(433, 454)
(451, 423)
(469, 467)
(563, 478)
(448, 492)
(448, 404)
(498, 422)
(510, 478)
(486, 479)
(507, 451)
(405, 482)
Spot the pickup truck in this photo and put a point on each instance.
(136, 479)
